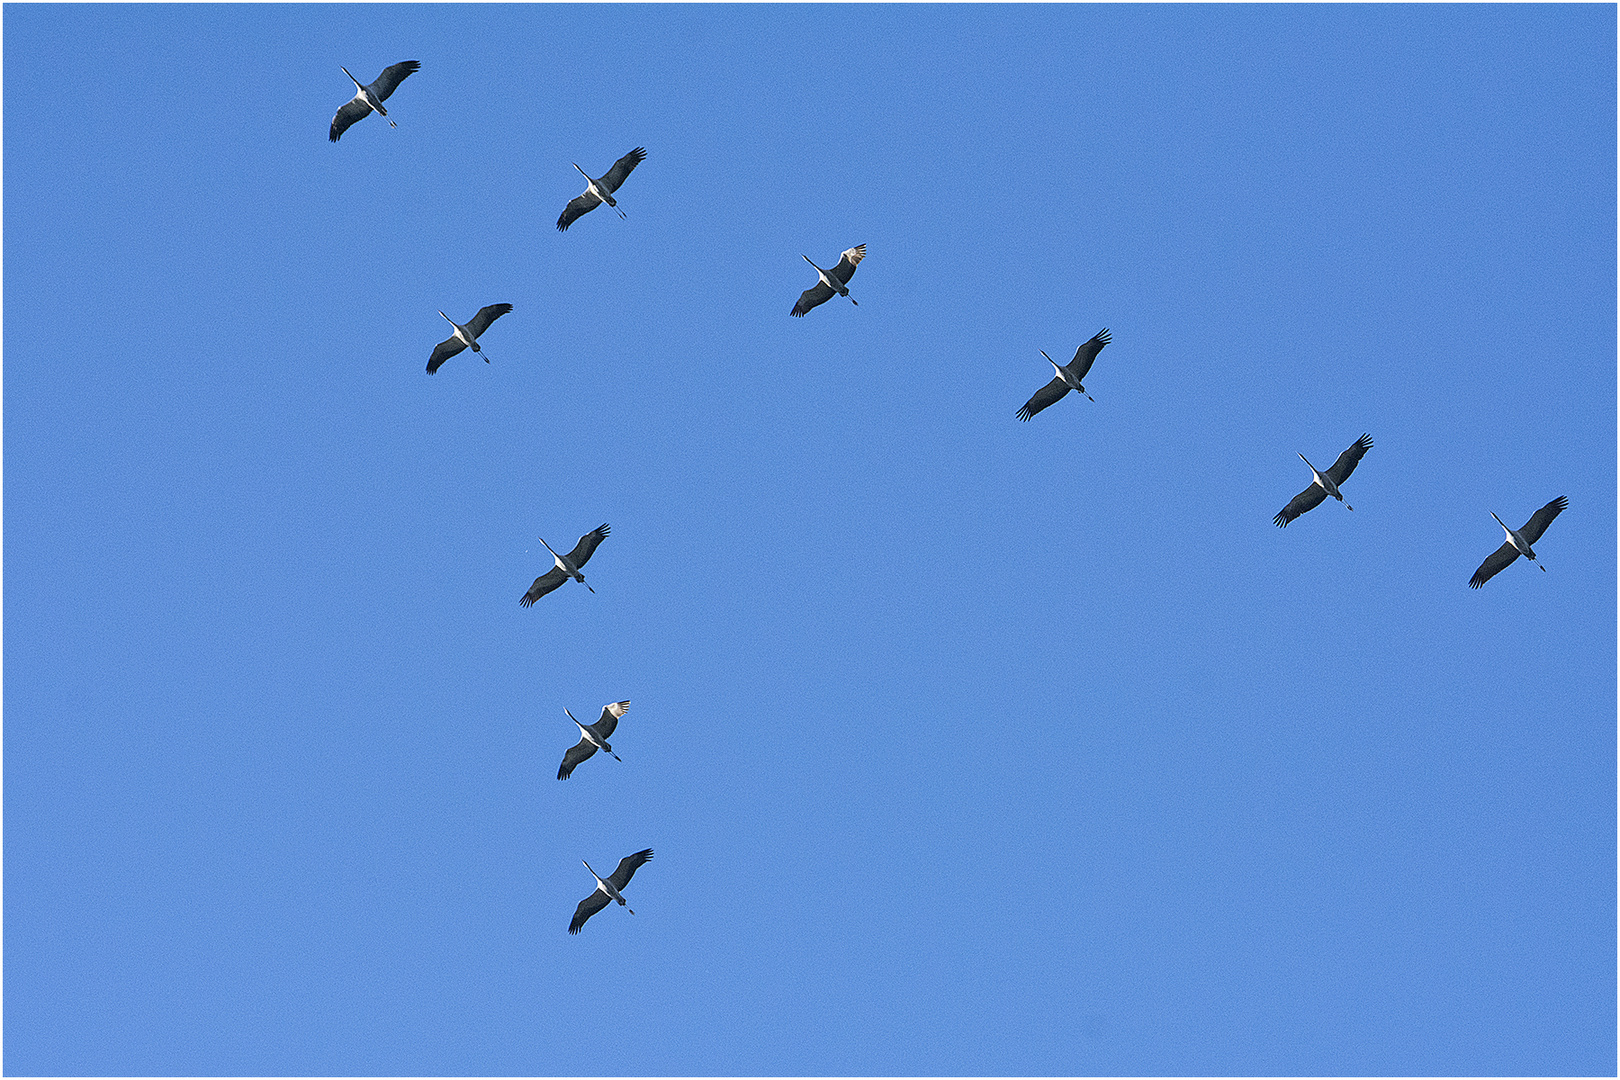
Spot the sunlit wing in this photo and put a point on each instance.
(1341, 469)
(588, 907)
(543, 584)
(1045, 396)
(1086, 355)
(627, 868)
(486, 315)
(577, 207)
(1308, 499)
(622, 168)
(353, 111)
(1494, 564)
(443, 351)
(574, 755)
(588, 544)
(392, 76)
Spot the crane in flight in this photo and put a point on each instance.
(567, 566)
(608, 889)
(832, 281)
(369, 99)
(593, 737)
(465, 336)
(1324, 484)
(1068, 376)
(600, 191)
(1518, 542)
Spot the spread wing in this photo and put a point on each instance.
(588, 907)
(1308, 499)
(576, 754)
(1045, 396)
(443, 351)
(354, 110)
(1341, 470)
(846, 265)
(610, 719)
(1494, 563)
(627, 868)
(577, 207)
(819, 293)
(587, 545)
(392, 76)
(622, 168)
(1086, 355)
(1542, 518)
(486, 315)
(543, 584)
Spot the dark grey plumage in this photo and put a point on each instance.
(368, 99)
(1053, 391)
(554, 577)
(602, 729)
(1338, 473)
(821, 292)
(444, 350)
(600, 899)
(580, 205)
(1498, 560)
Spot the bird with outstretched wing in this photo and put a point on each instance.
(454, 344)
(615, 881)
(1498, 560)
(601, 190)
(369, 99)
(587, 747)
(1312, 496)
(1076, 370)
(821, 292)
(554, 577)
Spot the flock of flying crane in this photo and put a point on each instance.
(832, 282)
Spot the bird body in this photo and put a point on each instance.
(593, 737)
(600, 190)
(369, 99)
(1518, 542)
(566, 567)
(830, 281)
(1324, 484)
(1068, 377)
(465, 336)
(834, 282)
(608, 889)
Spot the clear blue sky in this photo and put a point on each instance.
(965, 745)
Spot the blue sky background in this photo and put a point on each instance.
(966, 746)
